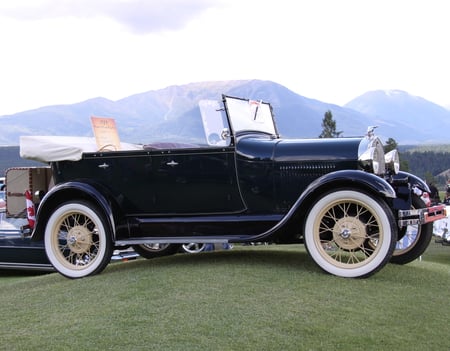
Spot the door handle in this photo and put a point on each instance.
(103, 166)
(172, 163)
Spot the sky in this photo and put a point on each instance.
(67, 51)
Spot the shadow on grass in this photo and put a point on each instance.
(289, 257)
(22, 273)
(267, 258)
(293, 258)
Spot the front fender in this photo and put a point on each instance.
(70, 191)
(346, 178)
(413, 180)
(358, 179)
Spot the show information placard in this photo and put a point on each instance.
(105, 132)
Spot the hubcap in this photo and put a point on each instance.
(349, 233)
(79, 239)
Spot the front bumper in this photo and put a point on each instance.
(421, 215)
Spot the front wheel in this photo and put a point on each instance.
(77, 240)
(339, 228)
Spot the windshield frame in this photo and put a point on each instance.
(250, 116)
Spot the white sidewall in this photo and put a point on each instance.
(52, 251)
(384, 244)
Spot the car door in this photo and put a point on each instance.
(199, 181)
(165, 182)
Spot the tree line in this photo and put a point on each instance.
(10, 157)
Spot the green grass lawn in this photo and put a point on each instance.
(249, 298)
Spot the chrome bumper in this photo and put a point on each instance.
(421, 215)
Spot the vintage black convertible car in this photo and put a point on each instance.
(344, 198)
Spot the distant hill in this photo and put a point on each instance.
(414, 118)
(172, 112)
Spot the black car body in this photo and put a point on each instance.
(342, 197)
(18, 251)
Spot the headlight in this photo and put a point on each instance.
(392, 161)
(372, 159)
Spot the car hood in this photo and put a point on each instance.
(288, 150)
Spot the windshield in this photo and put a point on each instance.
(214, 123)
(250, 115)
(244, 115)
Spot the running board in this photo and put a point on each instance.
(172, 240)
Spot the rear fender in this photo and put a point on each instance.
(70, 191)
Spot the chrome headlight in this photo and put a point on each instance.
(372, 159)
(392, 161)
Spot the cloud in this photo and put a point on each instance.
(138, 16)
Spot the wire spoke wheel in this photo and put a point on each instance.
(76, 241)
(340, 226)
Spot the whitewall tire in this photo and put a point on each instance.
(350, 234)
(77, 240)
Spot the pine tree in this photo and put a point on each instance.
(329, 126)
(390, 145)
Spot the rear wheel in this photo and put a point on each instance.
(415, 238)
(339, 227)
(77, 240)
(156, 250)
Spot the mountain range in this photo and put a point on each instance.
(172, 112)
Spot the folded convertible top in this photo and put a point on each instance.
(61, 148)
